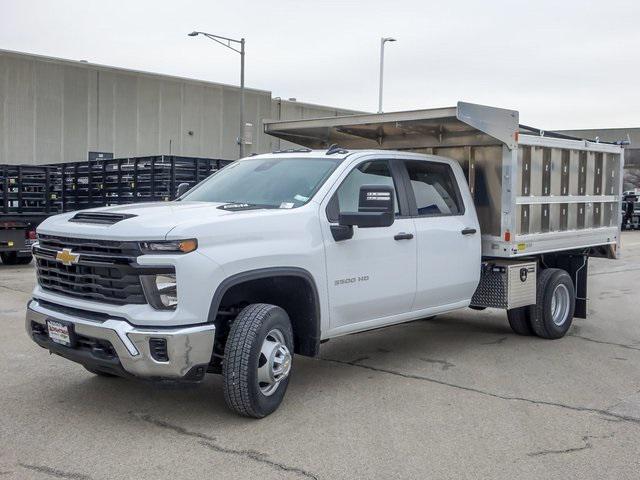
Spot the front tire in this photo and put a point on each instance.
(552, 314)
(257, 360)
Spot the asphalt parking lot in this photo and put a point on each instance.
(458, 396)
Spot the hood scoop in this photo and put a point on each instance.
(99, 217)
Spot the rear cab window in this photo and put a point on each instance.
(434, 188)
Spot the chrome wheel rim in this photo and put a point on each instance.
(274, 362)
(560, 304)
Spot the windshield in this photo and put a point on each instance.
(266, 182)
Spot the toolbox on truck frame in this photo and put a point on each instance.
(535, 192)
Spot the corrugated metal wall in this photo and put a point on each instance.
(55, 110)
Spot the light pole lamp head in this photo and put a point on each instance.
(388, 39)
(193, 34)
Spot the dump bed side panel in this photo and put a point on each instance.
(533, 193)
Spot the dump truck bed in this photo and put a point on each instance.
(534, 192)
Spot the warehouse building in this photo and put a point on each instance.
(631, 150)
(54, 110)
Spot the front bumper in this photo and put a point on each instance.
(115, 346)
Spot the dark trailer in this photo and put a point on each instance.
(31, 193)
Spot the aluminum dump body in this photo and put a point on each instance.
(534, 192)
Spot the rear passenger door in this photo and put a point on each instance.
(447, 234)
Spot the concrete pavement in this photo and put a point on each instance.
(456, 397)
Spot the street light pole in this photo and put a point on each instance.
(242, 126)
(383, 40)
(226, 42)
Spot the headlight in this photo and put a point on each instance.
(161, 290)
(169, 246)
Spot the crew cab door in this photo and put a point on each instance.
(447, 234)
(373, 274)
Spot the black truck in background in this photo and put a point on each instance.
(30, 193)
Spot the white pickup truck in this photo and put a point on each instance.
(276, 253)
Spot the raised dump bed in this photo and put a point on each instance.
(534, 191)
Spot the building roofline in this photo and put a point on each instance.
(610, 129)
(84, 64)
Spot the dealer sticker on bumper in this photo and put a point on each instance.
(59, 333)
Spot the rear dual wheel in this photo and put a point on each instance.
(552, 314)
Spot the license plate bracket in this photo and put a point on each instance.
(61, 332)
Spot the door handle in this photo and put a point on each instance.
(403, 236)
(468, 231)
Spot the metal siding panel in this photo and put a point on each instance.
(49, 123)
(212, 122)
(75, 121)
(170, 141)
(19, 122)
(3, 98)
(125, 116)
(148, 100)
(192, 100)
(231, 116)
(106, 112)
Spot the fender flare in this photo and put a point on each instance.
(314, 342)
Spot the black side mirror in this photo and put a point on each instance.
(375, 208)
(182, 189)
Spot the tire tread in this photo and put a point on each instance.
(241, 338)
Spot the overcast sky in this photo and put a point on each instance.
(562, 63)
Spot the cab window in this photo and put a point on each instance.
(435, 188)
(373, 172)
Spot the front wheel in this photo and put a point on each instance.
(257, 360)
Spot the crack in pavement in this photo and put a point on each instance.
(575, 408)
(603, 342)
(359, 359)
(54, 472)
(445, 365)
(587, 445)
(212, 444)
(495, 342)
(585, 439)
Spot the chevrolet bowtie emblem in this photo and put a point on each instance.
(66, 257)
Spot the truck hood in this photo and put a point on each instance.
(144, 221)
